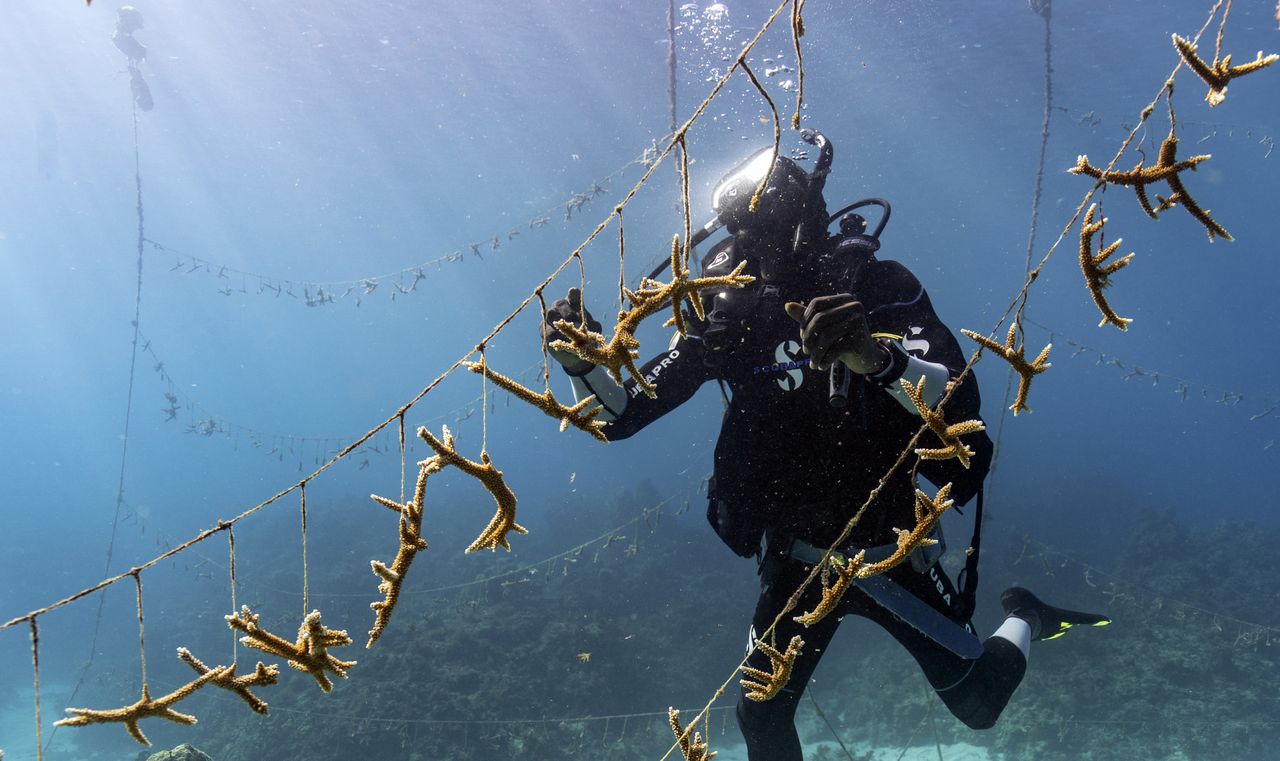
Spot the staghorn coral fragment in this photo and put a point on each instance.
(928, 512)
(225, 677)
(948, 434)
(1219, 73)
(763, 685)
(578, 415)
(310, 653)
(1168, 170)
(1014, 356)
(145, 708)
(504, 520)
(411, 542)
(620, 351)
(692, 748)
(832, 591)
(1096, 276)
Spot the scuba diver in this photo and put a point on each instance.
(811, 353)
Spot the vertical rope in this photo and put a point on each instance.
(231, 540)
(142, 639)
(128, 410)
(546, 357)
(1222, 28)
(306, 587)
(797, 31)
(35, 668)
(402, 458)
(684, 202)
(622, 262)
(1045, 11)
(484, 404)
(671, 67)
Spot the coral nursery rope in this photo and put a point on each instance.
(497, 328)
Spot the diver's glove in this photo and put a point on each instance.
(570, 310)
(835, 328)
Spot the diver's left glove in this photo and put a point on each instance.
(834, 328)
(571, 310)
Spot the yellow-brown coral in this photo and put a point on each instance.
(1015, 356)
(310, 653)
(762, 685)
(928, 513)
(948, 434)
(225, 677)
(1096, 276)
(410, 542)
(693, 748)
(145, 708)
(1167, 169)
(1219, 73)
(620, 352)
(578, 415)
(504, 520)
(832, 591)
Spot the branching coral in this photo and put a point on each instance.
(1015, 356)
(225, 677)
(693, 748)
(578, 415)
(620, 352)
(928, 512)
(832, 590)
(948, 434)
(1097, 276)
(145, 708)
(410, 542)
(1219, 73)
(761, 685)
(310, 653)
(1167, 169)
(504, 520)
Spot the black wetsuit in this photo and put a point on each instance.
(790, 465)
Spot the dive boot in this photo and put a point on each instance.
(1046, 621)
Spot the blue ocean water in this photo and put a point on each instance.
(301, 152)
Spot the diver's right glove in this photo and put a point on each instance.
(570, 310)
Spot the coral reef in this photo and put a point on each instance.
(693, 748)
(183, 752)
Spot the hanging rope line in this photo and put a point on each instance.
(575, 255)
(1015, 310)
(128, 405)
(1263, 406)
(198, 420)
(1044, 9)
(402, 282)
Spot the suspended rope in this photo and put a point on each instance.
(684, 735)
(1044, 9)
(198, 420)
(1262, 406)
(123, 36)
(312, 293)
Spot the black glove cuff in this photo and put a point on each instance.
(898, 361)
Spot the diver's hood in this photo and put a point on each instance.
(782, 204)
